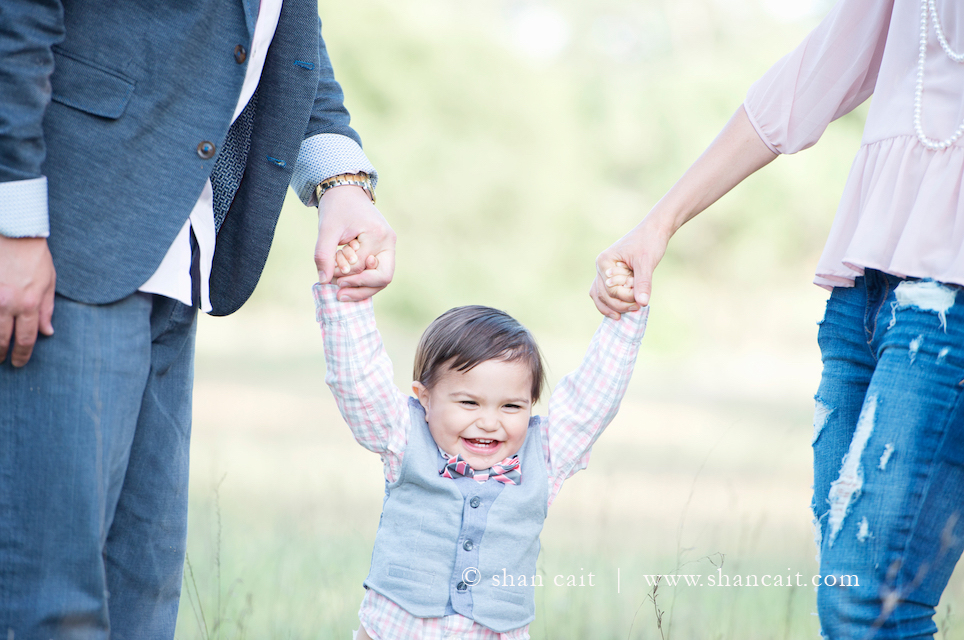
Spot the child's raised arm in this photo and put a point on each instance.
(585, 401)
(361, 378)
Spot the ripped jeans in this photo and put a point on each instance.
(888, 450)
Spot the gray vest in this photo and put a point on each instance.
(447, 545)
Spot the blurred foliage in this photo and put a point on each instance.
(515, 140)
(505, 169)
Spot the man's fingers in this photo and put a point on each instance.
(373, 279)
(27, 284)
(47, 312)
(6, 333)
(347, 216)
(24, 337)
(356, 294)
(326, 250)
(324, 261)
(369, 278)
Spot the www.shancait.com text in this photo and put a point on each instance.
(718, 579)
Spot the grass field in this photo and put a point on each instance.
(706, 466)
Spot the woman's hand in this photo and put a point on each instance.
(624, 271)
(736, 153)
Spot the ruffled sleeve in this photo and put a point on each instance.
(829, 74)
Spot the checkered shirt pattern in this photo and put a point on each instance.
(385, 620)
(361, 378)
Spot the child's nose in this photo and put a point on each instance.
(489, 420)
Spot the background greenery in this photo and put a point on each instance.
(515, 140)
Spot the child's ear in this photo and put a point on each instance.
(420, 391)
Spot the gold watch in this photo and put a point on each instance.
(360, 179)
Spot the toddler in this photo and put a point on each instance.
(469, 471)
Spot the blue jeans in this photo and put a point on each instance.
(94, 436)
(888, 455)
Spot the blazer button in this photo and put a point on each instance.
(240, 54)
(468, 545)
(475, 502)
(206, 150)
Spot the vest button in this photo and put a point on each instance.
(240, 55)
(461, 586)
(205, 150)
(468, 545)
(475, 502)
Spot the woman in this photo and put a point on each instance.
(889, 427)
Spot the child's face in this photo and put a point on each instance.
(482, 413)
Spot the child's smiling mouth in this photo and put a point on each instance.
(481, 446)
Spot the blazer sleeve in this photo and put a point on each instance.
(28, 31)
(331, 146)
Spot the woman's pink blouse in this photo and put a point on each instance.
(902, 209)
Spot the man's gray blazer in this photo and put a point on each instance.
(118, 104)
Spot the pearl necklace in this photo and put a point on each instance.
(927, 7)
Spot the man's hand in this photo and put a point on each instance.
(27, 280)
(346, 213)
(640, 250)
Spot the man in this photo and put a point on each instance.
(145, 151)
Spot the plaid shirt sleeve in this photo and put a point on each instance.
(586, 400)
(361, 377)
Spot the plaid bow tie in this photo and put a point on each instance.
(506, 471)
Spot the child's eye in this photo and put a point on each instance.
(513, 406)
(468, 403)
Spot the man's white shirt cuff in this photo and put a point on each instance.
(23, 208)
(323, 156)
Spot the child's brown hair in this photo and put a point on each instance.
(464, 337)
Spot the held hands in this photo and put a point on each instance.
(619, 284)
(365, 263)
(346, 259)
(736, 153)
(27, 280)
(624, 271)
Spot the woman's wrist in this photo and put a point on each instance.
(662, 221)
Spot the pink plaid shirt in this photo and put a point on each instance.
(361, 377)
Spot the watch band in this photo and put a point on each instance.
(361, 179)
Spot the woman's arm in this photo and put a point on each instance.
(832, 71)
(736, 153)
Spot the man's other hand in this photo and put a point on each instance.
(27, 280)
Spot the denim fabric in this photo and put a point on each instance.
(889, 455)
(94, 436)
